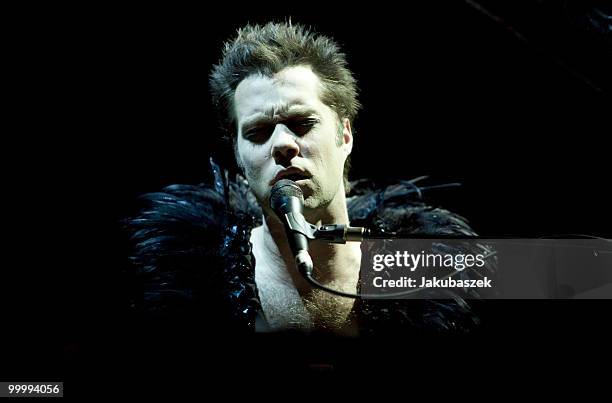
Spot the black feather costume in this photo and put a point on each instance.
(192, 254)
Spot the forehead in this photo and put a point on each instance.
(293, 88)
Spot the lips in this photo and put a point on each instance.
(294, 174)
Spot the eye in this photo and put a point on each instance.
(258, 134)
(302, 126)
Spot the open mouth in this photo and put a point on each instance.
(296, 177)
(292, 174)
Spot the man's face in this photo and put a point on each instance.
(285, 130)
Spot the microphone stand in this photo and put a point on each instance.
(336, 233)
(341, 234)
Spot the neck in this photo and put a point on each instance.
(336, 265)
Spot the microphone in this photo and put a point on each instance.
(287, 201)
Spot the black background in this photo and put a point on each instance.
(120, 107)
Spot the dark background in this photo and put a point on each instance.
(512, 102)
(447, 92)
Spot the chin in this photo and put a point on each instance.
(311, 203)
(315, 202)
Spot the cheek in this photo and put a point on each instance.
(253, 161)
(245, 156)
(331, 155)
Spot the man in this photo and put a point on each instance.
(284, 125)
(287, 100)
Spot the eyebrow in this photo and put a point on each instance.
(283, 113)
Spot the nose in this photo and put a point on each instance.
(284, 146)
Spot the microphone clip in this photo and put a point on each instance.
(297, 222)
(334, 233)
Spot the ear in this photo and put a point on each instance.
(347, 136)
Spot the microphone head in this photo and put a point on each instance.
(282, 190)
